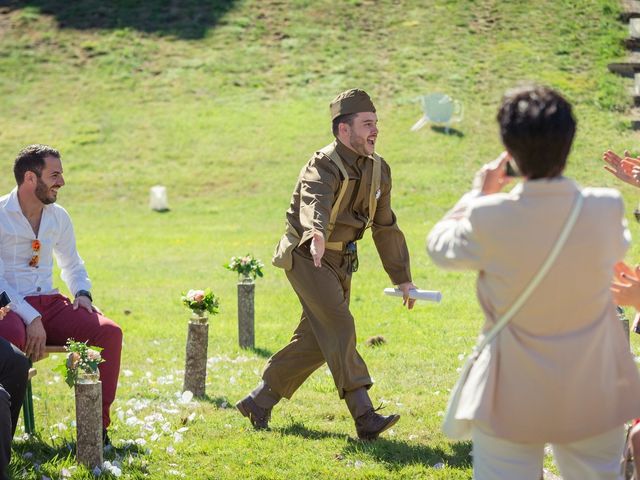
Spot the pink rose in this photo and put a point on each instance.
(198, 296)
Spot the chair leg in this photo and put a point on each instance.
(27, 410)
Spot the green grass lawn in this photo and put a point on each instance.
(223, 102)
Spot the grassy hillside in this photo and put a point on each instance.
(222, 102)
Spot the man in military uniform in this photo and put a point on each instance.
(344, 189)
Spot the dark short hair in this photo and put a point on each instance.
(537, 127)
(31, 159)
(347, 118)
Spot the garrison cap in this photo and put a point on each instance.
(351, 101)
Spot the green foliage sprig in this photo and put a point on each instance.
(201, 301)
(248, 266)
(81, 358)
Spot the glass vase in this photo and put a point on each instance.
(245, 278)
(88, 377)
(199, 316)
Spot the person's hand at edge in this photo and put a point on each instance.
(623, 169)
(626, 285)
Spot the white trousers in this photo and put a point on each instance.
(593, 458)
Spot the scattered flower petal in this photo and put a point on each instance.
(186, 396)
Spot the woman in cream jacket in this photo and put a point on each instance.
(560, 372)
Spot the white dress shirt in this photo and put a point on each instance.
(56, 237)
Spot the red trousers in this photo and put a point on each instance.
(62, 322)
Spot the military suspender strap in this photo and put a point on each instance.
(374, 194)
(330, 151)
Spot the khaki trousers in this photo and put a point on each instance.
(326, 332)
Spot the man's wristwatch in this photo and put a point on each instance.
(84, 293)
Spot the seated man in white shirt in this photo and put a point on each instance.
(32, 230)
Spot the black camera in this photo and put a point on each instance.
(4, 299)
(511, 170)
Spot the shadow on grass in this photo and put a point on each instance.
(261, 352)
(220, 402)
(394, 453)
(443, 130)
(299, 430)
(34, 454)
(398, 453)
(189, 19)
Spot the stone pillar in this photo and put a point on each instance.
(246, 335)
(89, 422)
(195, 369)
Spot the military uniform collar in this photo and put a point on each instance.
(349, 156)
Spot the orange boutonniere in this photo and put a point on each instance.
(35, 256)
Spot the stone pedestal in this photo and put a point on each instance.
(246, 334)
(195, 369)
(89, 422)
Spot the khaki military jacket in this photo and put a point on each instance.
(314, 195)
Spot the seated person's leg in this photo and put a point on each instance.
(12, 329)
(5, 433)
(64, 322)
(14, 369)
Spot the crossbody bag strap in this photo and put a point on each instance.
(375, 187)
(524, 296)
(330, 151)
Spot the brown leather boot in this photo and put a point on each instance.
(258, 416)
(258, 404)
(369, 424)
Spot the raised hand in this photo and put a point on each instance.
(492, 177)
(626, 169)
(626, 285)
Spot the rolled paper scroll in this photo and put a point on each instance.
(428, 295)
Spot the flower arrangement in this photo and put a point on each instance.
(82, 358)
(247, 266)
(200, 301)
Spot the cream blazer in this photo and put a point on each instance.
(560, 371)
